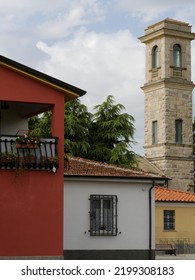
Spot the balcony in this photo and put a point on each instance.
(31, 157)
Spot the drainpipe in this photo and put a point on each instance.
(150, 219)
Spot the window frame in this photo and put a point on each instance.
(179, 131)
(155, 132)
(103, 220)
(169, 219)
(177, 55)
(155, 57)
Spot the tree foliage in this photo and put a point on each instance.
(77, 128)
(112, 134)
(107, 135)
(41, 124)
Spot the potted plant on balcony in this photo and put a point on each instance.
(8, 159)
(53, 163)
(28, 140)
(27, 161)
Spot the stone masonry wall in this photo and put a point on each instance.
(168, 97)
(179, 171)
(175, 160)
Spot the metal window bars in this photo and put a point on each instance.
(103, 215)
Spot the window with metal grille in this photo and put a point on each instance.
(169, 219)
(103, 215)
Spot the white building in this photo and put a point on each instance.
(108, 212)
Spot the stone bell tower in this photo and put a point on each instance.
(168, 100)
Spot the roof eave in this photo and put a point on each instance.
(122, 178)
(71, 91)
(173, 201)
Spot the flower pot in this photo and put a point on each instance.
(26, 146)
(29, 159)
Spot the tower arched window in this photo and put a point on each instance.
(177, 55)
(155, 57)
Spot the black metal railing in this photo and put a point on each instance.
(36, 157)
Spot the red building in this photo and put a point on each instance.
(31, 201)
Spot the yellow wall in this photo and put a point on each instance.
(184, 222)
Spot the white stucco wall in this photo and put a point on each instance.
(11, 122)
(133, 215)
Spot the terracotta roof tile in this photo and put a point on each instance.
(81, 166)
(170, 195)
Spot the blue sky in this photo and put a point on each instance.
(91, 44)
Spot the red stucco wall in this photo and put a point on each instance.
(31, 203)
(31, 210)
(17, 87)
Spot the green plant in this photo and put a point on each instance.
(28, 138)
(53, 163)
(9, 156)
(54, 160)
(8, 160)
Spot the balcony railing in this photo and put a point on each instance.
(34, 157)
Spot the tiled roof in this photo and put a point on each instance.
(81, 166)
(170, 195)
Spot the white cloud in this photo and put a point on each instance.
(26, 8)
(102, 64)
(62, 24)
(152, 9)
(40, 11)
(24, 22)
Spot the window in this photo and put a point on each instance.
(178, 131)
(103, 215)
(177, 55)
(155, 132)
(155, 57)
(169, 219)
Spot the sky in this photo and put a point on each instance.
(91, 44)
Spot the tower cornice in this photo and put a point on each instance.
(167, 32)
(168, 27)
(171, 83)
